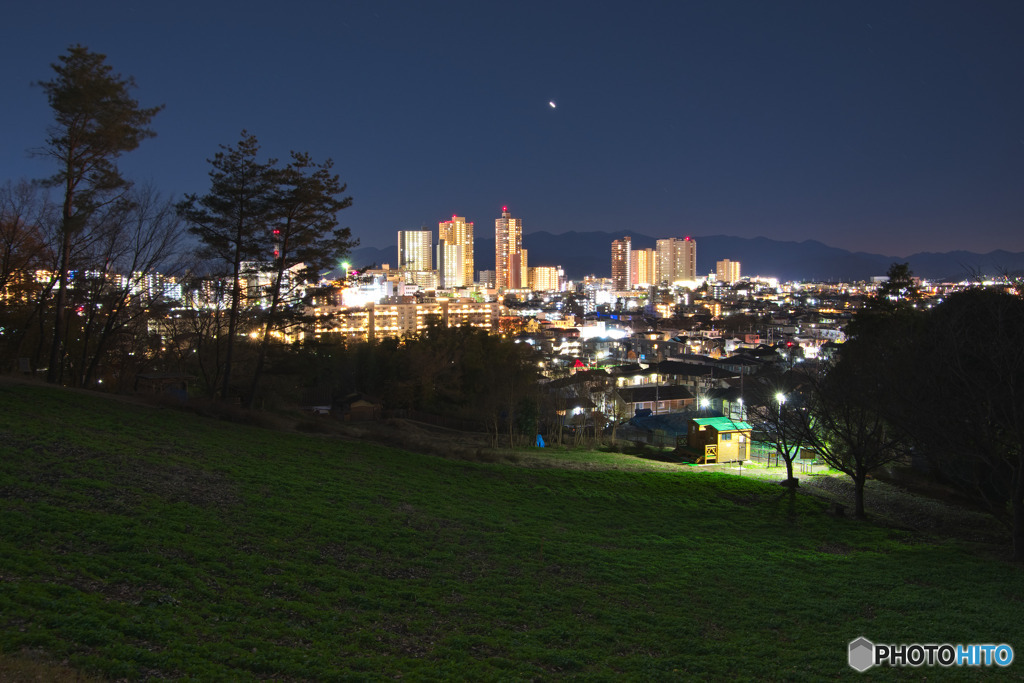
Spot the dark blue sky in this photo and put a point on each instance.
(889, 127)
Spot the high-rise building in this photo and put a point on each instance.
(449, 265)
(414, 250)
(676, 260)
(508, 243)
(518, 270)
(457, 237)
(545, 279)
(620, 263)
(727, 271)
(642, 268)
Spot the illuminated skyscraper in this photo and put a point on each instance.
(449, 265)
(727, 271)
(414, 250)
(545, 279)
(518, 270)
(641, 268)
(676, 260)
(620, 263)
(508, 243)
(455, 247)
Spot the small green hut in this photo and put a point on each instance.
(718, 439)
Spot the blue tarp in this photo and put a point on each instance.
(673, 424)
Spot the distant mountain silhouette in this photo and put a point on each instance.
(589, 253)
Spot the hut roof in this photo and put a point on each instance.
(722, 424)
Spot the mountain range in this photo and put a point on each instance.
(589, 253)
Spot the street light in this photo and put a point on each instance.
(781, 398)
(346, 265)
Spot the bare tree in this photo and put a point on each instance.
(24, 245)
(848, 429)
(32, 303)
(194, 336)
(777, 411)
(131, 284)
(26, 251)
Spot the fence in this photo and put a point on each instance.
(766, 454)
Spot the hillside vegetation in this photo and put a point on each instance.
(139, 542)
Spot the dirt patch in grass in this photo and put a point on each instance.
(30, 666)
(428, 439)
(177, 483)
(834, 548)
(745, 501)
(130, 477)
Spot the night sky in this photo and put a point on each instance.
(889, 127)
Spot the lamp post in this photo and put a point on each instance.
(657, 391)
(346, 265)
(781, 398)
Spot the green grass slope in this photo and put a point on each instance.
(142, 542)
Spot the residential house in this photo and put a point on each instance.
(657, 398)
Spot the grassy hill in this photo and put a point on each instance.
(143, 542)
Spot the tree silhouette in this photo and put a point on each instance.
(777, 411)
(962, 399)
(233, 222)
(95, 121)
(306, 241)
(850, 432)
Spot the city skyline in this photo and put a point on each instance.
(890, 128)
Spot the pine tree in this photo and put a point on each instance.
(233, 221)
(95, 121)
(306, 241)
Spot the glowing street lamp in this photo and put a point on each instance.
(781, 398)
(346, 265)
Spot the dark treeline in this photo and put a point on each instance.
(480, 379)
